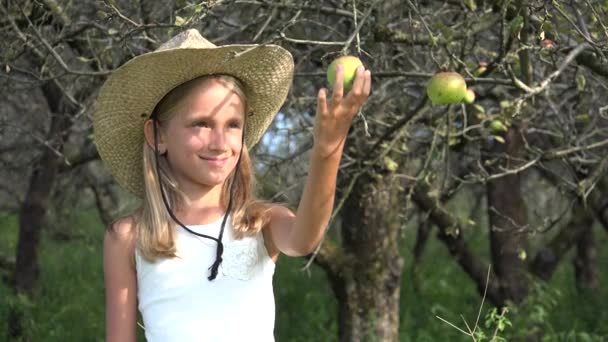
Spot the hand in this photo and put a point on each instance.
(333, 119)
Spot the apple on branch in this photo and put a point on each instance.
(446, 88)
(469, 97)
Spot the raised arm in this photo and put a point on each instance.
(299, 234)
(120, 282)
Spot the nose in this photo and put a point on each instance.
(217, 141)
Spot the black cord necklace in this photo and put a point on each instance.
(220, 246)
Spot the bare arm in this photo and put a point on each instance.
(299, 234)
(120, 282)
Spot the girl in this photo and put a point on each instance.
(174, 127)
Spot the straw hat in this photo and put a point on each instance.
(131, 93)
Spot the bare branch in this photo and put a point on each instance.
(531, 91)
(59, 59)
(451, 235)
(322, 9)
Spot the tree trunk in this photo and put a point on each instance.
(450, 233)
(424, 231)
(585, 262)
(507, 217)
(368, 288)
(33, 209)
(548, 257)
(602, 215)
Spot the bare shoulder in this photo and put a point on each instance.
(122, 228)
(122, 231)
(120, 239)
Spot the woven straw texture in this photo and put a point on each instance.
(130, 94)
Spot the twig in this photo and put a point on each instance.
(124, 17)
(57, 57)
(550, 155)
(43, 142)
(483, 298)
(462, 331)
(358, 43)
(424, 23)
(565, 152)
(310, 42)
(407, 74)
(359, 26)
(322, 9)
(565, 15)
(531, 91)
(467, 325)
(265, 25)
(513, 171)
(471, 333)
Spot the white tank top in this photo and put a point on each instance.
(179, 303)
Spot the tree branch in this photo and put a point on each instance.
(330, 258)
(450, 234)
(86, 154)
(593, 62)
(322, 9)
(385, 34)
(531, 91)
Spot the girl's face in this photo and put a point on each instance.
(203, 138)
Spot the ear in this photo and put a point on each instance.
(149, 136)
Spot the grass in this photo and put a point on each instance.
(68, 305)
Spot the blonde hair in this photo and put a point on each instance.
(155, 228)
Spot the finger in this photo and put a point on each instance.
(359, 95)
(357, 89)
(338, 91)
(322, 101)
(367, 88)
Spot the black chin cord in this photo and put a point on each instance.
(220, 246)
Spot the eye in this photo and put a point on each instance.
(235, 124)
(201, 123)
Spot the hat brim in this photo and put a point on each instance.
(130, 94)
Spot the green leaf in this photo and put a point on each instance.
(179, 21)
(453, 141)
(471, 4)
(580, 81)
(390, 164)
(479, 108)
(84, 59)
(516, 25)
(582, 118)
(499, 139)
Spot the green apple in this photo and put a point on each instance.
(481, 68)
(497, 126)
(350, 64)
(446, 88)
(469, 97)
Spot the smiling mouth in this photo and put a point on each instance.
(215, 161)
